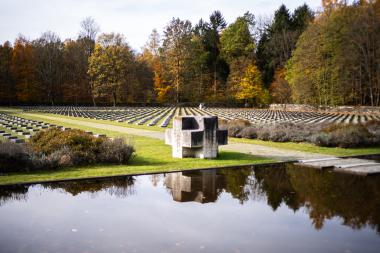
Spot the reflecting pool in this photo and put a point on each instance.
(277, 208)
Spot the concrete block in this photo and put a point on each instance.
(195, 136)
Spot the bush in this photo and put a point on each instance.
(14, 157)
(322, 134)
(374, 128)
(222, 124)
(249, 132)
(235, 127)
(76, 147)
(80, 147)
(115, 151)
(322, 139)
(281, 132)
(239, 123)
(344, 136)
(53, 148)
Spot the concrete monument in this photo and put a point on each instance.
(195, 136)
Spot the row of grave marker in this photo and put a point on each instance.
(17, 129)
(162, 116)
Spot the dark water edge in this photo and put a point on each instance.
(272, 208)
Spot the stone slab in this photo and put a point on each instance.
(360, 170)
(335, 163)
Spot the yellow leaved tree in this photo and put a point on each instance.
(250, 88)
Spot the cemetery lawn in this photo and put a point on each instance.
(304, 147)
(311, 148)
(152, 155)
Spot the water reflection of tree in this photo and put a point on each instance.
(13, 193)
(354, 199)
(277, 187)
(155, 179)
(120, 186)
(237, 183)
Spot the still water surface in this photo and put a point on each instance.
(260, 209)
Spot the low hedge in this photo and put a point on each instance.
(322, 134)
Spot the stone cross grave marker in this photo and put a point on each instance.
(195, 136)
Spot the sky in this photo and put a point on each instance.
(133, 18)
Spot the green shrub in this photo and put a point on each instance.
(54, 148)
(54, 139)
(83, 147)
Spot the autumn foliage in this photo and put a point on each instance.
(325, 58)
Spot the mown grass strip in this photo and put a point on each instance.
(311, 148)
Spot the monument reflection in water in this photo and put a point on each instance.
(202, 186)
(241, 210)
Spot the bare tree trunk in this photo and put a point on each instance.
(215, 82)
(200, 85)
(92, 94)
(114, 99)
(177, 83)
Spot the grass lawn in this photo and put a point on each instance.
(305, 147)
(308, 147)
(152, 155)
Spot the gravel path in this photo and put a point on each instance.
(258, 150)
(104, 126)
(271, 152)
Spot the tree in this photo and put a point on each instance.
(48, 53)
(89, 29)
(75, 80)
(218, 64)
(176, 54)
(337, 58)
(200, 63)
(24, 72)
(87, 35)
(280, 89)
(151, 56)
(237, 39)
(279, 39)
(143, 74)
(7, 89)
(109, 67)
(237, 47)
(251, 87)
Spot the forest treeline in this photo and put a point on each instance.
(328, 57)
